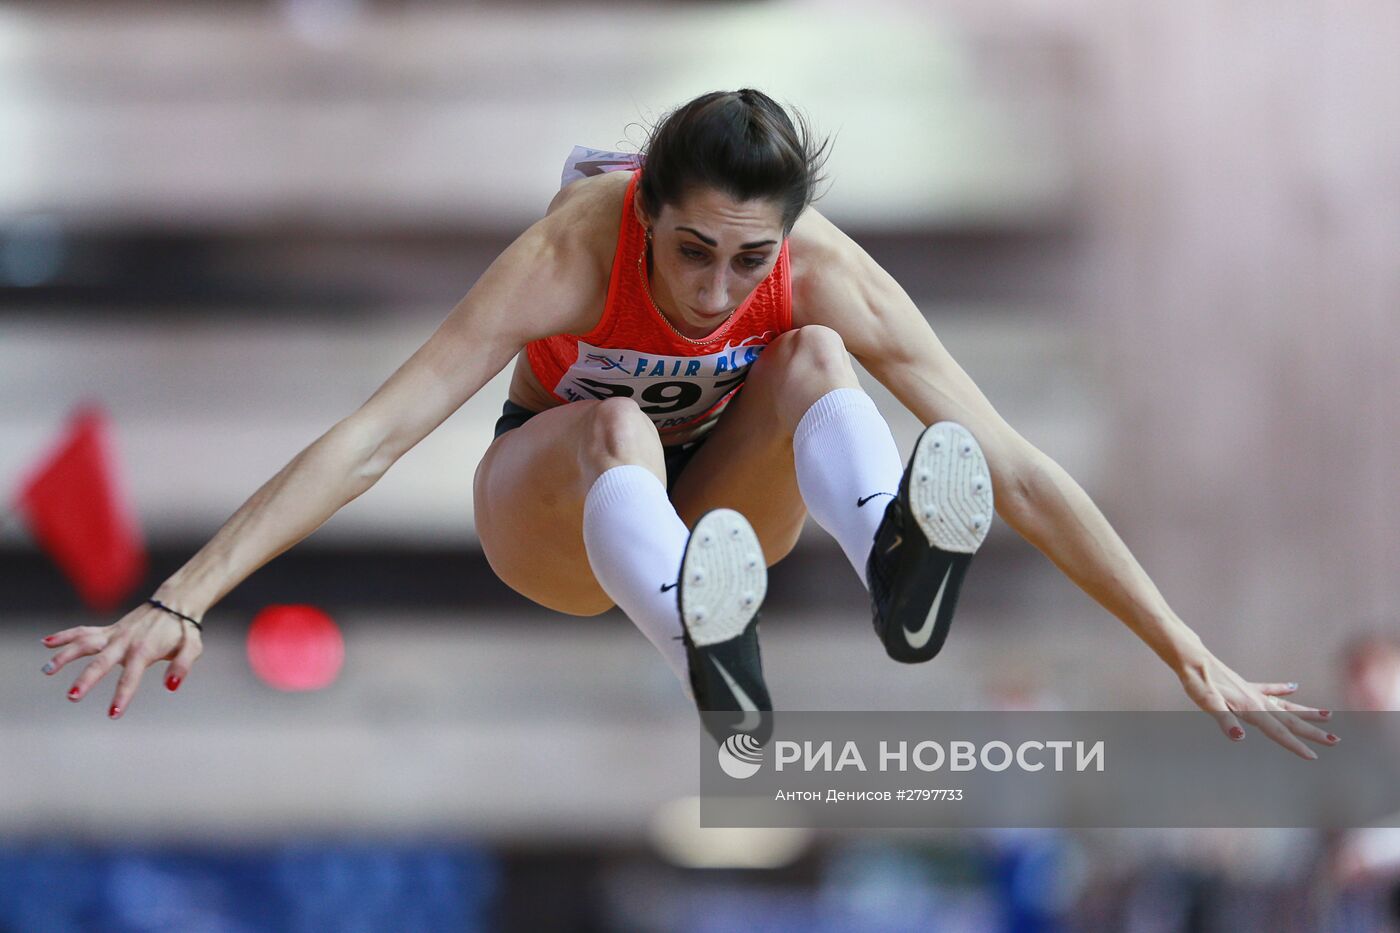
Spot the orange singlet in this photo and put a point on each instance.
(634, 352)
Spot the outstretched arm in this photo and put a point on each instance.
(843, 288)
(537, 286)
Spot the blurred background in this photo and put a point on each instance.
(1163, 238)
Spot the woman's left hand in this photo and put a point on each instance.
(1229, 698)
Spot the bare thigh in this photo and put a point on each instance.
(529, 493)
(747, 462)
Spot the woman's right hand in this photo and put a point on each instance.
(142, 637)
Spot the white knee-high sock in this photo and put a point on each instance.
(845, 454)
(635, 541)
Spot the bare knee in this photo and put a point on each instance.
(803, 365)
(585, 606)
(617, 433)
(779, 545)
(815, 345)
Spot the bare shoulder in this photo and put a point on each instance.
(589, 211)
(581, 226)
(605, 187)
(828, 268)
(813, 241)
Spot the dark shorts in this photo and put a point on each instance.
(513, 416)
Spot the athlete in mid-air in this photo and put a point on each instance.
(683, 395)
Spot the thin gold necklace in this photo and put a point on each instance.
(641, 273)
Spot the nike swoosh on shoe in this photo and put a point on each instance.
(918, 639)
(751, 717)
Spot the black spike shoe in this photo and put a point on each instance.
(720, 592)
(926, 540)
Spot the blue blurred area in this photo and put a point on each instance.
(297, 887)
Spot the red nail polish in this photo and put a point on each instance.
(73, 694)
(1237, 733)
(1326, 714)
(48, 639)
(172, 684)
(1331, 737)
(113, 713)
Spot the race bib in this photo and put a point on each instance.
(672, 390)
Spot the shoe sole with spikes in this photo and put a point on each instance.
(723, 581)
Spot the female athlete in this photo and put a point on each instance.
(683, 396)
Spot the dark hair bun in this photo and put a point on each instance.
(740, 142)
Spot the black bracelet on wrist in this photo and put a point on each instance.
(160, 605)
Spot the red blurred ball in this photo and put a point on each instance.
(295, 648)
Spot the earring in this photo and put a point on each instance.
(648, 236)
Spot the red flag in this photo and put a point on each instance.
(75, 509)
